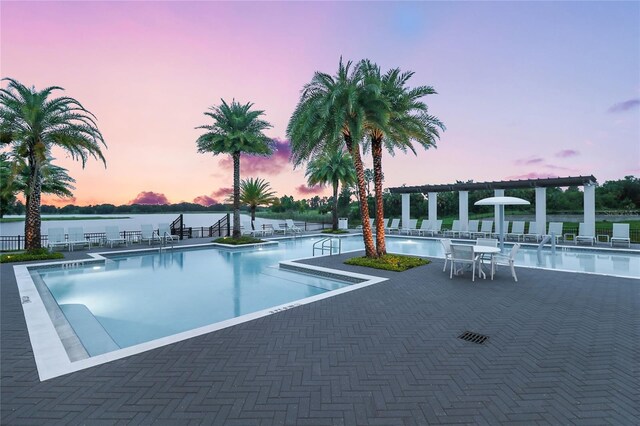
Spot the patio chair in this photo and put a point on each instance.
(148, 234)
(620, 234)
(517, 231)
(485, 230)
(435, 229)
(462, 255)
(395, 226)
(472, 228)
(280, 227)
(165, 233)
(532, 234)
(446, 245)
(112, 236)
(583, 235)
(262, 227)
(292, 226)
(555, 228)
(496, 232)
(425, 227)
(455, 229)
(506, 260)
(245, 227)
(56, 238)
(410, 228)
(77, 238)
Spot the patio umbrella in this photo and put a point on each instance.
(501, 202)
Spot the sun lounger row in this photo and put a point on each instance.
(76, 236)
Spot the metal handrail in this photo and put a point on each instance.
(324, 246)
(544, 241)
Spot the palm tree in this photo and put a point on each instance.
(332, 167)
(256, 192)
(330, 112)
(236, 129)
(396, 117)
(31, 123)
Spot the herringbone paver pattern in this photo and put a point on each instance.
(564, 349)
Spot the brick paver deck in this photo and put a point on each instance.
(564, 348)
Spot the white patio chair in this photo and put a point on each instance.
(462, 255)
(455, 229)
(506, 260)
(555, 228)
(148, 234)
(472, 228)
(112, 234)
(410, 228)
(245, 227)
(496, 232)
(485, 230)
(425, 227)
(435, 228)
(489, 242)
(77, 238)
(56, 238)
(395, 226)
(620, 234)
(517, 231)
(165, 233)
(532, 234)
(446, 245)
(583, 235)
(262, 227)
(292, 226)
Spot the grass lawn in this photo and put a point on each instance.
(39, 254)
(389, 262)
(331, 231)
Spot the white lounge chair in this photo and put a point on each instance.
(425, 227)
(410, 228)
(485, 230)
(262, 228)
(446, 245)
(472, 228)
(501, 259)
(77, 238)
(455, 229)
(489, 242)
(583, 235)
(395, 226)
(112, 236)
(56, 238)
(461, 255)
(148, 234)
(555, 228)
(517, 231)
(165, 233)
(435, 229)
(533, 233)
(620, 234)
(292, 226)
(496, 232)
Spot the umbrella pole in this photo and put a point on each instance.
(501, 219)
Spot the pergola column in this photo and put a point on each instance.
(496, 208)
(590, 209)
(541, 210)
(463, 208)
(405, 210)
(433, 207)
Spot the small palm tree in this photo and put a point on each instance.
(256, 192)
(31, 123)
(236, 129)
(332, 167)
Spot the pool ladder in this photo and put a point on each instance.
(327, 244)
(545, 240)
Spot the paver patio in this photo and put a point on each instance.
(563, 348)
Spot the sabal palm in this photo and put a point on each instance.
(329, 113)
(396, 118)
(236, 129)
(31, 123)
(332, 167)
(256, 192)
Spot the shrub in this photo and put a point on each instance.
(389, 262)
(238, 241)
(31, 255)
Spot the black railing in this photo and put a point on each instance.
(178, 228)
(221, 228)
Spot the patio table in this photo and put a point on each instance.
(484, 250)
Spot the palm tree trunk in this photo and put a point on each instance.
(32, 223)
(253, 213)
(367, 235)
(376, 152)
(334, 208)
(236, 195)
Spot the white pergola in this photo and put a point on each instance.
(540, 185)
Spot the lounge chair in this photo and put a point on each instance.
(77, 238)
(292, 226)
(583, 236)
(394, 226)
(56, 238)
(517, 231)
(555, 228)
(112, 236)
(148, 234)
(461, 255)
(532, 234)
(165, 233)
(435, 229)
(472, 229)
(501, 259)
(620, 234)
(280, 227)
(455, 229)
(446, 245)
(371, 223)
(262, 228)
(496, 232)
(485, 230)
(425, 227)
(410, 228)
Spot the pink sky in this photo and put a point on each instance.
(525, 89)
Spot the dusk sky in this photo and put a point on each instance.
(526, 90)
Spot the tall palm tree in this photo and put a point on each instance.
(32, 122)
(329, 113)
(333, 167)
(256, 192)
(236, 129)
(396, 118)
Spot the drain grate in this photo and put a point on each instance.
(472, 337)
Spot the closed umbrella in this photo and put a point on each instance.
(501, 202)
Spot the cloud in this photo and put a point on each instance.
(532, 175)
(149, 197)
(554, 167)
(307, 190)
(205, 200)
(624, 106)
(214, 197)
(565, 153)
(254, 165)
(57, 201)
(222, 192)
(529, 161)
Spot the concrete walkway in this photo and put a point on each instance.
(563, 348)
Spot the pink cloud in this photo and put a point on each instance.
(222, 192)
(625, 106)
(532, 175)
(149, 197)
(565, 153)
(205, 200)
(57, 201)
(253, 165)
(531, 160)
(307, 190)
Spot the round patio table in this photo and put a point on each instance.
(485, 250)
